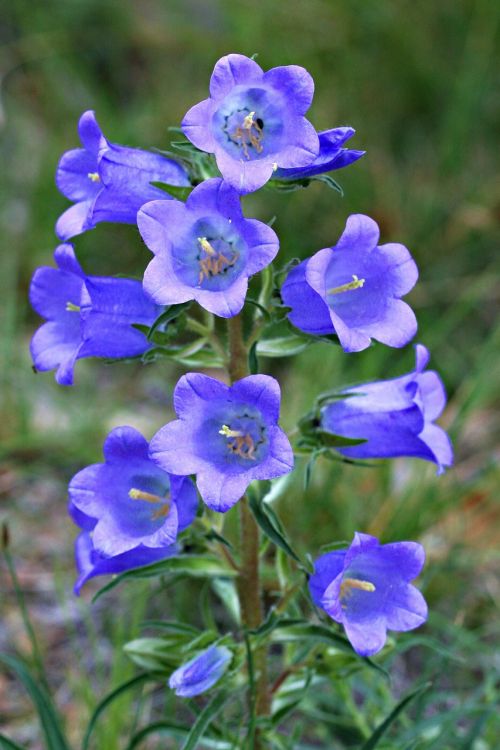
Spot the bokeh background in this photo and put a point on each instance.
(416, 80)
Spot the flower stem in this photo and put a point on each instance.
(249, 589)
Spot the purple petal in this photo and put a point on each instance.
(280, 458)
(83, 490)
(225, 303)
(200, 673)
(244, 176)
(397, 327)
(406, 609)
(197, 125)
(433, 394)
(294, 83)
(162, 283)
(407, 558)
(367, 638)
(72, 175)
(439, 445)
(164, 449)
(326, 569)
(192, 393)
(51, 289)
(422, 357)
(232, 70)
(122, 442)
(263, 244)
(221, 491)
(74, 220)
(360, 233)
(161, 223)
(65, 258)
(304, 147)
(184, 493)
(401, 266)
(217, 196)
(90, 133)
(309, 311)
(262, 391)
(55, 345)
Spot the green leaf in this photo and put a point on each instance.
(7, 744)
(157, 654)
(253, 360)
(177, 731)
(204, 719)
(270, 524)
(283, 346)
(180, 193)
(290, 185)
(171, 313)
(227, 593)
(382, 728)
(101, 707)
(330, 440)
(49, 719)
(196, 566)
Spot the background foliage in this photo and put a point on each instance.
(416, 81)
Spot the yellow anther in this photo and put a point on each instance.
(70, 307)
(248, 121)
(249, 133)
(94, 176)
(227, 432)
(206, 246)
(354, 284)
(348, 584)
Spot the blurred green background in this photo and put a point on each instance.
(416, 80)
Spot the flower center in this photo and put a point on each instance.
(149, 497)
(213, 262)
(247, 133)
(348, 585)
(94, 176)
(354, 284)
(240, 443)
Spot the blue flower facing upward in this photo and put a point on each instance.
(204, 249)
(87, 316)
(226, 435)
(254, 121)
(353, 289)
(108, 182)
(367, 589)
(394, 417)
(201, 673)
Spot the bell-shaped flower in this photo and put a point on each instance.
(394, 417)
(204, 249)
(201, 673)
(367, 589)
(254, 121)
(87, 316)
(353, 289)
(108, 182)
(133, 502)
(226, 435)
(332, 155)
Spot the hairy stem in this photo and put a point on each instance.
(249, 589)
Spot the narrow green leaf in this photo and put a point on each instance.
(270, 524)
(253, 360)
(177, 731)
(382, 728)
(180, 193)
(102, 706)
(204, 720)
(51, 725)
(7, 744)
(227, 593)
(283, 346)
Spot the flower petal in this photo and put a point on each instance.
(232, 70)
(196, 125)
(294, 83)
(367, 638)
(74, 220)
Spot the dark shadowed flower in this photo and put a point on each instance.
(87, 316)
(332, 155)
(108, 182)
(395, 417)
(353, 289)
(204, 249)
(132, 502)
(254, 121)
(201, 673)
(226, 435)
(367, 588)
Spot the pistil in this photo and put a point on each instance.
(349, 584)
(240, 443)
(249, 133)
(215, 262)
(94, 176)
(354, 284)
(149, 497)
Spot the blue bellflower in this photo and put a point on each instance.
(395, 417)
(367, 589)
(108, 182)
(254, 121)
(201, 673)
(132, 502)
(87, 316)
(226, 435)
(332, 155)
(353, 289)
(204, 249)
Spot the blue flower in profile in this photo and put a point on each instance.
(354, 289)
(204, 249)
(332, 155)
(226, 435)
(367, 589)
(254, 121)
(201, 673)
(108, 182)
(394, 417)
(87, 316)
(133, 503)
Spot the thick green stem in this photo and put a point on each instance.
(249, 589)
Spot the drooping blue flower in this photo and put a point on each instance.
(367, 589)
(108, 182)
(133, 503)
(353, 289)
(87, 316)
(226, 435)
(204, 249)
(201, 673)
(395, 417)
(332, 155)
(254, 121)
